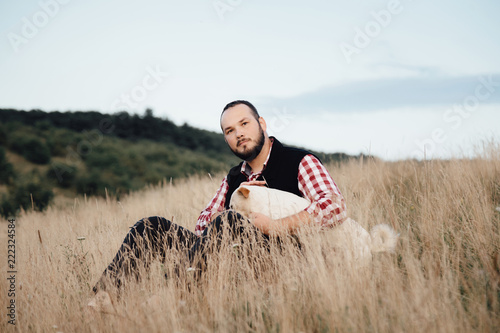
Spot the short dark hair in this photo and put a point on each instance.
(247, 103)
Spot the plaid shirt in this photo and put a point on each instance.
(315, 183)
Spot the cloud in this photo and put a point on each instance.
(392, 93)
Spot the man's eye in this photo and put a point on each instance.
(228, 132)
(246, 122)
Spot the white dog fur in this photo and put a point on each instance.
(349, 236)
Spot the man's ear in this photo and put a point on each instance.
(244, 191)
(263, 124)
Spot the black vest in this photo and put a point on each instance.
(281, 171)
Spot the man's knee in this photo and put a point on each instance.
(231, 220)
(150, 227)
(156, 223)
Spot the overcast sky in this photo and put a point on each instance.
(388, 78)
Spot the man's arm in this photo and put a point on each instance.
(288, 224)
(215, 205)
(327, 206)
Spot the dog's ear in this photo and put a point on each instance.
(244, 191)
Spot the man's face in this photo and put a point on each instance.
(243, 133)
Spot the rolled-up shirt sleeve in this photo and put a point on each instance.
(327, 206)
(214, 206)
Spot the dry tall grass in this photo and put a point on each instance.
(444, 276)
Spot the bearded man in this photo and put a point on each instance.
(266, 162)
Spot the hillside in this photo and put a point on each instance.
(49, 154)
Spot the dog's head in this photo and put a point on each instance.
(240, 200)
(270, 202)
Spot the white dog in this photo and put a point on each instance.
(349, 236)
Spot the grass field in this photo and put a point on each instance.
(444, 276)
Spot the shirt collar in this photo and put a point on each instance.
(245, 168)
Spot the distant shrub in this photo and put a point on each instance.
(62, 173)
(3, 135)
(6, 169)
(32, 148)
(37, 152)
(17, 142)
(160, 154)
(96, 183)
(60, 141)
(7, 210)
(90, 184)
(27, 194)
(102, 159)
(41, 194)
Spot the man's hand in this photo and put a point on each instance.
(262, 222)
(254, 183)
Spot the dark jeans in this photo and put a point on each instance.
(157, 237)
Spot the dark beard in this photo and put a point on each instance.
(251, 154)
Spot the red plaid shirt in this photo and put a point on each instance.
(315, 183)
